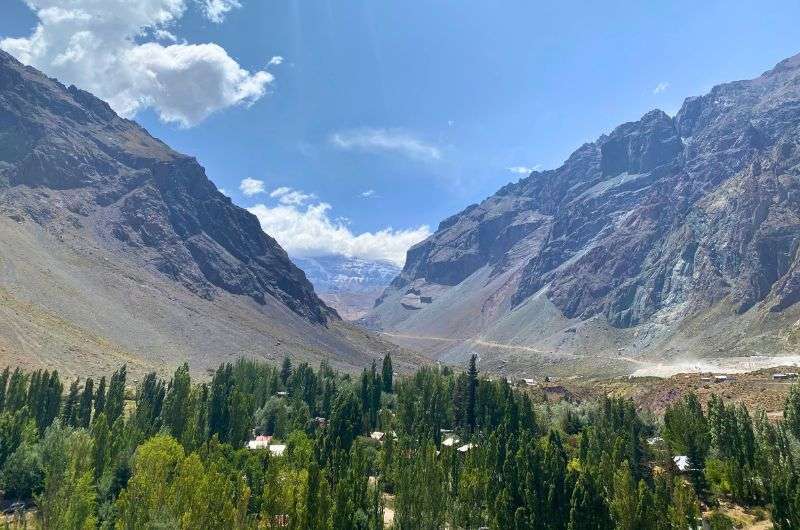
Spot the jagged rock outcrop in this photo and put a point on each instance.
(659, 221)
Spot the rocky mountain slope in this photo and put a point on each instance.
(349, 285)
(114, 246)
(669, 237)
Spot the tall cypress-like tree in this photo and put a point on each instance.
(52, 403)
(149, 402)
(176, 404)
(588, 510)
(791, 410)
(387, 373)
(84, 415)
(219, 419)
(17, 391)
(3, 385)
(115, 399)
(472, 393)
(70, 411)
(100, 397)
(286, 370)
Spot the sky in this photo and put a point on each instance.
(355, 126)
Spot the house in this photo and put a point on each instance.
(282, 393)
(450, 441)
(720, 378)
(277, 449)
(783, 377)
(529, 381)
(260, 442)
(466, 447)
(705, 379)
(378, 436)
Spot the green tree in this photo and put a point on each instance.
(83, 417)
(3, 384)
(421, 500)
(177, 402)
(387, 373)
(22, 476)
(472, 388)
(115, 399)
(588, 510)
(100, 398)
(625, 500)
(171, 490)
(684, 511)
(68, 497)
(286, 370)
(791, 410)
(69, 413)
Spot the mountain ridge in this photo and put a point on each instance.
(635, 231)
(114, 245)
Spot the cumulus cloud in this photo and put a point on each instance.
(661, 87)
(308, 230)
(108, 49)
(524, 170)
(290, 197)
(386, 140)
(215, 10)
(250, 187)
(368, 193)
(277, 60)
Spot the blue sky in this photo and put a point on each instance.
(420, 106)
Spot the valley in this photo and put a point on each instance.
(414, 265)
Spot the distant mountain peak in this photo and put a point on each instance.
(349, 284)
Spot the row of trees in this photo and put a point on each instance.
(173, 455)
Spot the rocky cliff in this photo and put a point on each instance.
(637, 235)
(126, 246)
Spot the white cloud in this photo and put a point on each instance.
(386, 140)
(250, 187)
(162, 34)
(289, 196)
(661, 87)
(524, 170)
(106, 47)
(275, 61)
(368, 193)
(215, 10)
(308, 230)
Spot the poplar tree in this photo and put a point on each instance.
(387, 373)
(84, 413)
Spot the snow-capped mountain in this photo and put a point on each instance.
(350, 285)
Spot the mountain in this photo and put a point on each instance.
(670, 237)
(349, 285)
(113, 247)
